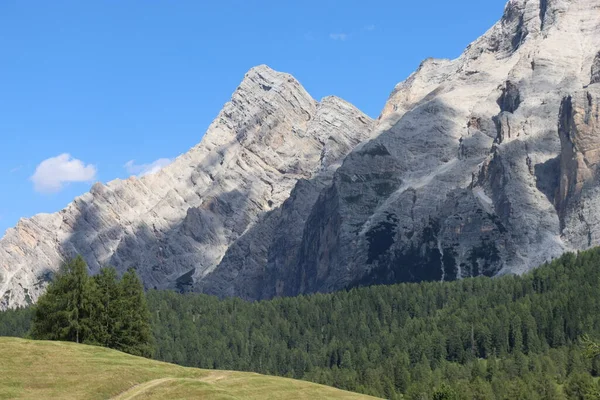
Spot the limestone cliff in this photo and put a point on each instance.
(175, 226)
(483, 165)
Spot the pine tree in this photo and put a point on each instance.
(61, 312)
(132, 331)
(100, 310)
(107, 299)
(445, 392)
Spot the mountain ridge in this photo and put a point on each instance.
(481, 165)
(269, 135)
(461, 175)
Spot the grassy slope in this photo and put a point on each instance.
(48, 370)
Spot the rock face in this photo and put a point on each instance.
(175, 226)
(578, 198)
(482, 165)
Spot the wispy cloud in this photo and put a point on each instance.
(338, 36)
(16, 169)
(370, 27)
(54, 173)
(146, 169)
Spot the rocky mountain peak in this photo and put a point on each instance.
(482, 165)
(175, 225)
(474, 168)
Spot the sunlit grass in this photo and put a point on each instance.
(58, 370)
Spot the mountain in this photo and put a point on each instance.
(482, 165)
(176, 225)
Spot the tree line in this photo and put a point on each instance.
(100, 310)
(513, 337)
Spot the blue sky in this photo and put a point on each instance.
(118, 85)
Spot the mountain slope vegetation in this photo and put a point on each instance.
(510, 336)
(501, 338)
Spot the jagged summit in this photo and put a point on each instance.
(482, 165)
(467, 174)
(176, 224)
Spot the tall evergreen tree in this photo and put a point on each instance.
(61, 312)
(99, 310)
(133, 333)
(107, 299)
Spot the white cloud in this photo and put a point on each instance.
(53, 174)
(338, 36)
(369, 27)
(16, 169)
(146, 169)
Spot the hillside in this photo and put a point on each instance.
(57, 370)
(508, 337)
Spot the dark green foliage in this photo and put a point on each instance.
(108, 297)
(64, 311)
(581, 386)
(16, 322)
(505, 338)
(101, 310)
(132, 332)
(445, 392)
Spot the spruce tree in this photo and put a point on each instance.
(62, 312)
(106, 311)
(445, 392)
(133, 333)
(99, 310)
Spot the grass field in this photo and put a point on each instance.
(57, 370)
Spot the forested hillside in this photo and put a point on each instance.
(505, 338)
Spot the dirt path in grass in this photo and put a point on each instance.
(139, 389)
(136, 390)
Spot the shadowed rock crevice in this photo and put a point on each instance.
(381, 238)
(505, 122)
(543, 11)
(548, 178)
(595, 73)
(510, 99)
